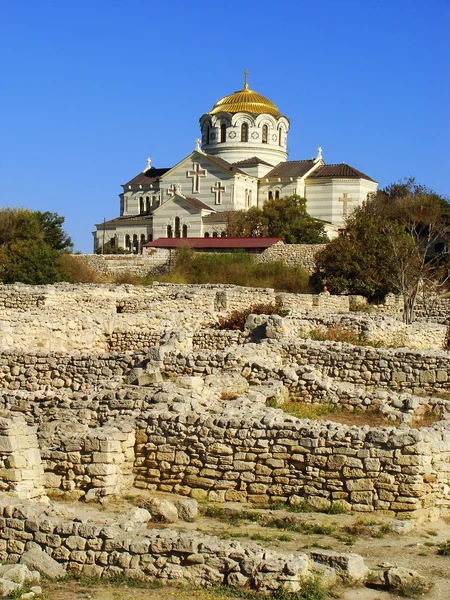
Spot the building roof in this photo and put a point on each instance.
(224, 164)
(291, 168)
(212, 242)
(218, 217)
(254, 160)
(197, 203)
(125, 219)
(146, 177)
(339, 171)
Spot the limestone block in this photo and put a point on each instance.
(162, 511)
(187, 509)
(7, 588)
(350, 566)
(136, 517)
(101, 469)
(402, 580)
(190, 382)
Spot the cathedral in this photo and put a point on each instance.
(240, 161)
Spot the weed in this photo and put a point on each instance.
(444, 548)
(337, 333)
(235, 320)
(259, 537)
(304, 527)
(311, 589)
(278, 506)
(284, 538)
(368, 528)
(116, 581)
(228, 396)
(213, 511)
(336, 413)
(337, 508)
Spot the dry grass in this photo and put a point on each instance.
(235, 268)
(76, 270)
(336, 413)
(337, 333)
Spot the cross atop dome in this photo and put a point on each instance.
(246, 79)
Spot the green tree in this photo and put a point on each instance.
(281, 217)
(31, 244)
(54, 235)
(396, 242)
(288, 219)
(108, 248)
(249, 223)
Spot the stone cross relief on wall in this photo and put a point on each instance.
(345, 201)
(196, 173)
(218, 189)
(173, 189)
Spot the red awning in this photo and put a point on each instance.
(214, 242)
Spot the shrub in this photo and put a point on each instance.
(444, 548)
(75, 270)
(337, 333)
(235, 268)
(236, 319)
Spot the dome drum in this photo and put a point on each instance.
(242, 125)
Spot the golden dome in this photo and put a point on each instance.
(245, 101)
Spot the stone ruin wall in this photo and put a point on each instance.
(256, 461)
(124, 547)
(261, 457)
(292, 255)
(150, 447)
(159, 259)
(274, 458)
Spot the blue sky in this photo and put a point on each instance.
(91, 88)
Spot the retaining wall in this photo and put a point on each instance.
(118, 547)
(273, 457)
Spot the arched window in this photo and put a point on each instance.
(184, 230)
(142, 240)
(177, 227)
(215, 234)
(279, 136)
(169, 231)
(249, 197)
(244, 132)
(246, 197)
(265, 134)
(147, 204)
(277, 195)
(223, 234)
(135, 243)
(150, 238)
(270, 195)
(141, 205)
(127, 242)
(223, 132)
(206, 234)
(153, 200)
(112, 242)
(206, 135)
